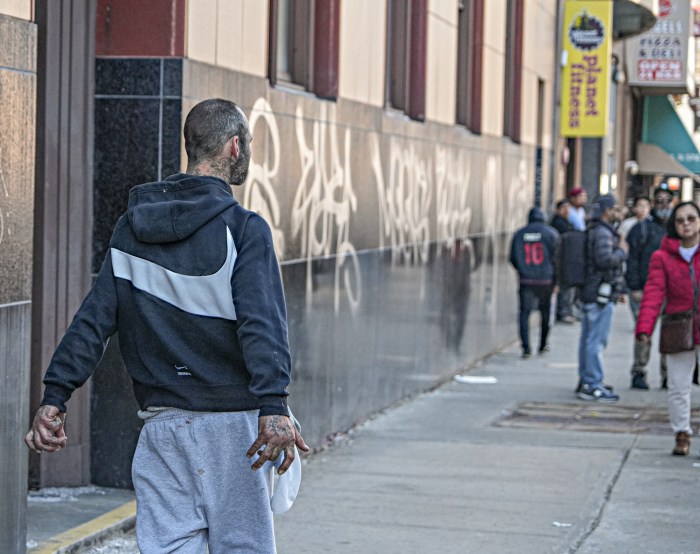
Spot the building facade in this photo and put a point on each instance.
(397, 146)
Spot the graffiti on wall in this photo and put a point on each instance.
(324, 199)
(404, 201)
(4, 194)
(259, 195)
(323, 204)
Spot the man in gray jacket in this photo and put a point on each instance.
(605, 256)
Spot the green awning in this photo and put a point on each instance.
(663, 127)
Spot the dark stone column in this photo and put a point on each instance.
(138, 113)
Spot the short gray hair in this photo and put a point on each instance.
(209, 125)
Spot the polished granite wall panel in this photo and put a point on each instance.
(15, 330)
(138, 117)
(17, 140)
(138, 112)
(17, 103)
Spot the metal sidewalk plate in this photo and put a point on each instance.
(607, 418)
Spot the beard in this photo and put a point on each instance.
(239, 168)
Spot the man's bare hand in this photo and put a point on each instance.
(643, 338)
(276, 434)
(47, 433)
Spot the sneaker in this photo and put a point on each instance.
(568, 319)
(597, 394)
(639, 381)
(545, 348)
(526, 353)
(605, 386)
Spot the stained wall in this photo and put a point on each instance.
(17, 97)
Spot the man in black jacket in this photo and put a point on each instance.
(192, 284)
(566, 294)
(532, 255)
(605, 256)
(644, 239)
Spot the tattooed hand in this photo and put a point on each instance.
(276, 434)
(47, 432)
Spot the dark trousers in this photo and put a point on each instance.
(565, 301)
(534, 297)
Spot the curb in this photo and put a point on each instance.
(94, 531)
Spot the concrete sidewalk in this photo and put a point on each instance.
(504, 468)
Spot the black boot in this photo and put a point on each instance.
(639, 381)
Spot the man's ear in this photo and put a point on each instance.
(233, 147)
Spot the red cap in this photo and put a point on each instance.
(576, 191)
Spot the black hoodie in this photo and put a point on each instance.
(192, 284)
(532, 250)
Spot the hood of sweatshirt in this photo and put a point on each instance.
(535, 215)
(173, 209)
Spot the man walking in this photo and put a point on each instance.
(605, 256)
(532, 255)
(644, 239)
(192, 285)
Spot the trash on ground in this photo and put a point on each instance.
(560, 524)
(476, 379)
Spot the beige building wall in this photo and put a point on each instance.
(493, 67)
(228, 33)
(538, 63)
(362, 56)
(21, 9)
(441, 61)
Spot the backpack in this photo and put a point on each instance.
(572, 258)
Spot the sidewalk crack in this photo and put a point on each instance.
(608, 493)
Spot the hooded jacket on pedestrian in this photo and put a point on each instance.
(192, 285)
(532, 251)
(669, 280)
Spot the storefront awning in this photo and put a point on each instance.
(662, 127)
(652, 160)
(632, 17)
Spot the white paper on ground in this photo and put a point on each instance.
(476, 379)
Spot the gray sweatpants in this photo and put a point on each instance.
(194, 486)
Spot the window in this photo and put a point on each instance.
(469, 63)
(406, 46)
(513, 70)
(304, 45)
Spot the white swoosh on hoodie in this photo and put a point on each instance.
(205, 295)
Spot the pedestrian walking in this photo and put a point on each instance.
(605, 256)
(532, 253)
(644, 239)
(674, 279)
(192, 285)
(566, 293)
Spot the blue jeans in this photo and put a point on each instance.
(595, 328)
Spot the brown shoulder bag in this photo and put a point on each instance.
(678, 329)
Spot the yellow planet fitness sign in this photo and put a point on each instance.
(586, 75)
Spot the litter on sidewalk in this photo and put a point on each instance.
(476, 379)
